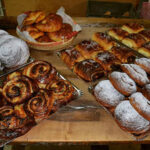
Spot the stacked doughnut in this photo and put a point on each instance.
(92, 59)
(133, 35)
(46, 28)
(127, 96)
(30, 96)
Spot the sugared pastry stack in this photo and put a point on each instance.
(45, 28)
(13, 51)
(30, 96)
(127, 96)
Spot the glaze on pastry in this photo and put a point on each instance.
(145, 50)
(146, 35)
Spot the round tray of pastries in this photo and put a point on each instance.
(45, 31)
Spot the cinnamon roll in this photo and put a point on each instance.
(42, 72)
(13, 75)
(62, 92)
(19, 89)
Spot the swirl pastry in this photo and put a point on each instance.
(146, 35)
(13, 75)
(103, 40)
(136, 73)
(129, 119)
(42, 72)
(19, 89)
(51, 23)
(123, 54)
(134, 41)
(88, 49)
(40, 105)
(108, 61)
(71, 56)
(107, 95)
(132, 27)
(145, 50)
(123, 83)
(34, 17)
(118, 33)
(61, 34)
(89, 70)
(62, 92)
(144, 63)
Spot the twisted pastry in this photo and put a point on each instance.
(40, 105)
(42, 72)
(19, 89)
(62, 91)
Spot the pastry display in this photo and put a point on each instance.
(136, 73)
(141, 104)
(118, 33)
(132, 27)
(123, 83)
(89, 70)
(129, 119)
(103, 40)
(107, 95)
(146, 91)
(146, 35)
(145, 50)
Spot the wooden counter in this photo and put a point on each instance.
(88, 123)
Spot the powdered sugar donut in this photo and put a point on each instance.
(141, 104)
(136, 73)
(5, 38)
(3, 32)
(144, 63)
(129, 119)
(13, 52)
(107, 95)
(123, 83)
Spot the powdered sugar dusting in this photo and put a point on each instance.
(3, 32)
(130, 119)
(124, 82)
(105, 92)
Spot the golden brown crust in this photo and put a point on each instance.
(146, 91)
(71, 56)
(103, 40)
(145, 50)
(89, 70)
(145, 34)
(13, 75)
(44, 39)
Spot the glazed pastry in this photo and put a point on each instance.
(51, 23)
(44, 39)
(19, 89)
(118, 33)
(134, 41)
(14, 52)
(103, 40)
(129, 119)
(62, 92)
(145, 50)
(3, 102)
(132, 27)
(42, 72)
(107, 95)
(61, 34)
(123, 83)
(108, 61)
(13, 75)
(40, 105)
(136, 73)
(34, 17)
(88, 49)
(146, 91)
(123, 54)
(141, 104)
(144, 63)
(70, 56)
(146, 35)
(89, 70)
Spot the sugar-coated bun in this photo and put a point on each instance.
(144, 63)
(141, 104)
(6, 37)
(107, 95)
(14, 52)
(136, 73)
(3, 32)
(129, 119)
(123, 83)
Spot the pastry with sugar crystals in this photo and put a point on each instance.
(107, 95)
(136, 73)
(3, 32)
(144, 63)
(6, 37)
(123, 83)
(129, 119)
(141, 104)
